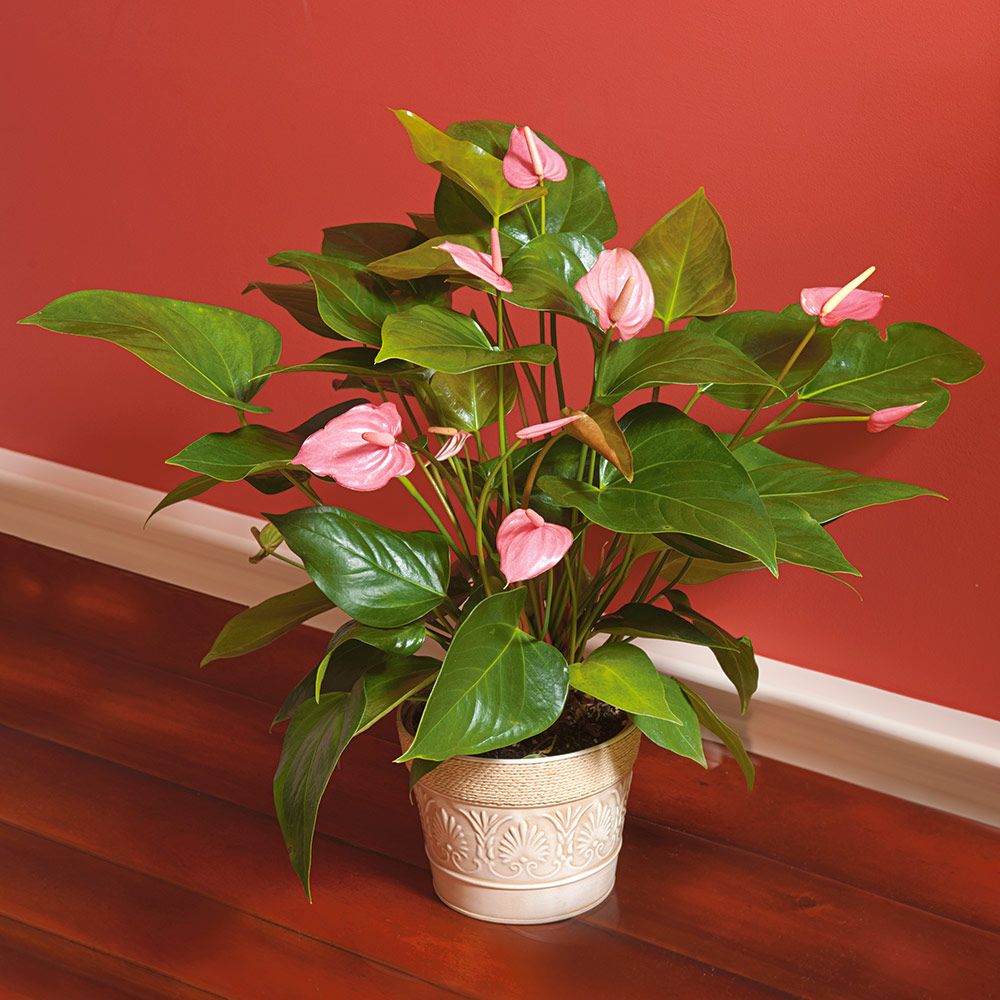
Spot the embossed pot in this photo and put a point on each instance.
(525, 841)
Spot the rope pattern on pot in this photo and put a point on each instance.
(547, 781)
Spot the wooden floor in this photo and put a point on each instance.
(139, 855)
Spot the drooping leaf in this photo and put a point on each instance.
(624, 676)
(676, 358)
(215, 352)
(353, 361)
(364, 242)
(682, 737)
(685, 481)
(544, 272)
(769, 340)
(450, 342)
(687, 257)
(497, 685)
(261, 624)
(391, 682)
(598, 429)
(380, 576)
(865, 373)
(729, 737)
(468, 401)
(229, 456)
(401, 641)
(184, 491)
(297, 299)
(465, 163)
(651, 622)
(578, 204)
(351, 302)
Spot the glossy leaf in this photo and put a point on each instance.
(865, 373)
(651, 622)
(212, 351)
(261, 624)
(465, 163)
(624, 676)
(682, 737)
(233, 455)
(298, 300)
(676, 358)
(187, 490)
(427, 259)
(687, 257)
(352, 361)
(401, 641)
(497, 685)
(468, 401)
(769, 340)
(350, 301)
(379, 576)
(363, 242)
(802, 540)
(578, 204)
(544, 273)
(598, 429)
(729, 737)
(450, 342)
(685, 481)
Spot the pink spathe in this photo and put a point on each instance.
(488, 266)
(454, 444)
(529, 161)
(535, 431)
(359, 449)
(626, 305)
(859, 304)
(529, 545)
(882, 420)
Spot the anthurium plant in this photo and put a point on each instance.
(561, 526)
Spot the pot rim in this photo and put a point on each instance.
(508, 762)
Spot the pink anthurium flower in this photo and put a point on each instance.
(529, 161)
(832, 304)
(359, 448)
(882, 420)
(618, 289)
(488, 266)
(535, 431)
(454, 444)
(529, 545)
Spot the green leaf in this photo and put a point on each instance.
(729, 737)
(802, 540)
(316, 737)
(363, 242)
(298, 300)
(401, 641)
(379, 576)
(624, 676)
(391, 682)
(544, 272)
(229, 456)
(685, 481)
(450, 342)
(676, 358)
(651, 622)
(351, 302)
(468, 401)
(578, 204)
(865, 373)
(353, 361)
(497, 685)
(687, 257)
(824, 493)
(768, 339)
(184, 491)
(263, 623)
(682, 737)
(465, 163)
(426, 259)
(212, 351)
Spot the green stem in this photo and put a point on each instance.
(304, 488)
(406, 406)
(429, 511)
(556, 366)
(502, 415)
(549, 583)
(481, 511)
(695, 396)
(805, 423)
(529, 483)
(528, 374)
(544, 199)
(285, 559)
(680, 574)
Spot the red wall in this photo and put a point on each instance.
(169, 147)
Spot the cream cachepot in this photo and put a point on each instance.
(526, 841)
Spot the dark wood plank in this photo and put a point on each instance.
(929, 859)
(735, 906)
(205, 844)
(180, 933)
(41, 966)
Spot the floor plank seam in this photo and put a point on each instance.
(238, 909)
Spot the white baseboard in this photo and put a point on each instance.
(912, 749)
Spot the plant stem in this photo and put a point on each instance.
(501, 414)
(805, 423)
(285, 559)
(695, 396)
(304, 488)
(533, 471)
(556, 367)
(429, 511)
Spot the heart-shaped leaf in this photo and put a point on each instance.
(427, 258)
(865, 373)
(229, 456)
(676, 358)
(451, 342)
(379, 576)
(497, 685)
(364, 242)
(468, 401)
(687, 257)
(624, 676)
(544, 272)
(598, 430)
(685, 480)
(682, 737)
(401, 641)
(215, 352)
(465, 163)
